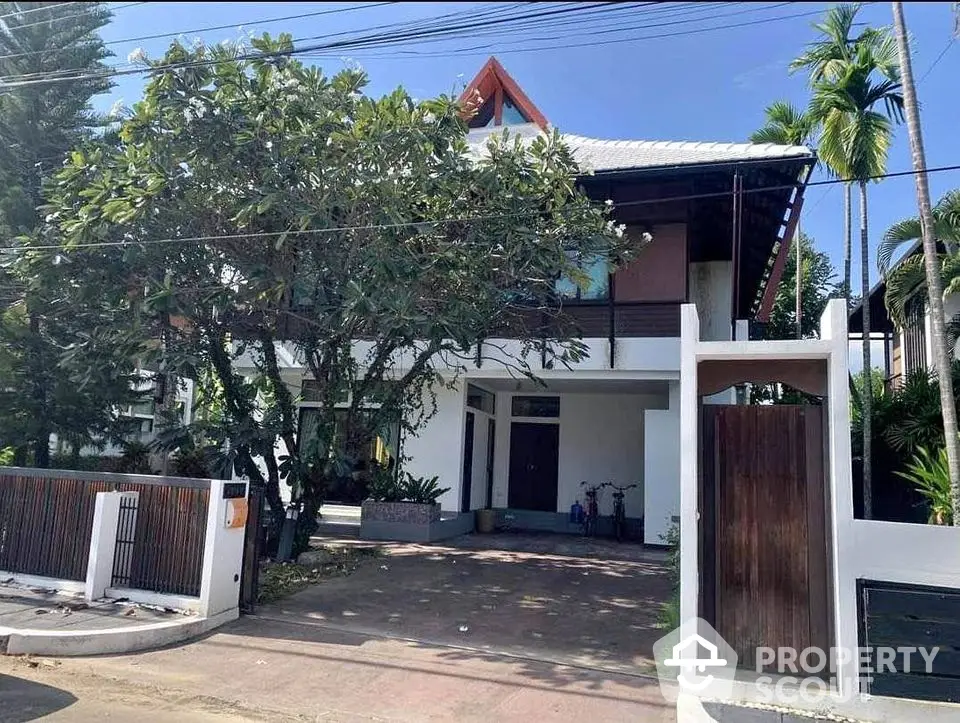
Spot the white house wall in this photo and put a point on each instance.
(437, 448)
(711, 289)
(601, 440)
(661, 463)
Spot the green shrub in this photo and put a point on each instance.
(930, 474)
(423, 490)
(669, 617)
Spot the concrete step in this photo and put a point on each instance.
(331, 527)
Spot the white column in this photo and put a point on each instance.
(833, 327)
(661, 468)
(103, 541)
(689, 459)
(222, 553)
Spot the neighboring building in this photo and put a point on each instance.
(908, 348)
(718, 214)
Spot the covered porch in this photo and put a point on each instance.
(525, 449)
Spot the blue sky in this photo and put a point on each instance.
(709, 86)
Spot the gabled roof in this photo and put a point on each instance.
(490, 91)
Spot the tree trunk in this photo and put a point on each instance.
(847, 240)
(41, 448)
(867, 395)
(931, 262)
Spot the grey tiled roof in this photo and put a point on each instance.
(609, 155)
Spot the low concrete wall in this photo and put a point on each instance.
(411, 532)
(536, 521)
(22, 641)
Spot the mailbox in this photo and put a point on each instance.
(236, 513)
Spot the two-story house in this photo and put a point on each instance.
(720, 216)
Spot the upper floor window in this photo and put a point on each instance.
(595, 284)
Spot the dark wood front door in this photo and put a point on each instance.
(763, 506)
(534, 449)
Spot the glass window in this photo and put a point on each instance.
(535, 407)
(481, 399)
(594, 284)
(510, 114)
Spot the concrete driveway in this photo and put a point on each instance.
(508, 629)
(562, 599)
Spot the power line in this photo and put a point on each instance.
(34, 10)
(483, 50)
(468, 219)
(939, 58)
(385, 39)
(57, 18)
(262, 21)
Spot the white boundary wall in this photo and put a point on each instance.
(858, 549)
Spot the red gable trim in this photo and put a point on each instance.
(492, 82)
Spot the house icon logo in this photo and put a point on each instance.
(691, 645)
(694, 659)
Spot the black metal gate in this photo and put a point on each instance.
(160, 540)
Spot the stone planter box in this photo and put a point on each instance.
(409, 522)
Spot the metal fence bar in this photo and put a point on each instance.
(116, 477)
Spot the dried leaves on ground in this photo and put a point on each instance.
(280, 579)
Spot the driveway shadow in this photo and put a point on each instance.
(563, 619)
(24, 700)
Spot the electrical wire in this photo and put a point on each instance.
(386, 39)
(193, 31)
(465, 219)
(57, 18)
(939, 58)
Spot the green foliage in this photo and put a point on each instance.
(669, 618)
(388, 487)
(908, 279)
(929, 472)
(785, 125)
(384, 485)
(817, 287)
(423, 490)
(318, 215)
(52, 378)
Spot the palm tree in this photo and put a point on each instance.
(825, 59)
(908, 278)
(854, 142)
(787, 125)
(928, 225)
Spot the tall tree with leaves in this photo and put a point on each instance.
(269, 207)
(931, 263)
(46, 376)
(789, 126)
(824, 59)
(857, 104)
(907, 278)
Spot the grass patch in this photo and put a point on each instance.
(280, 579)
